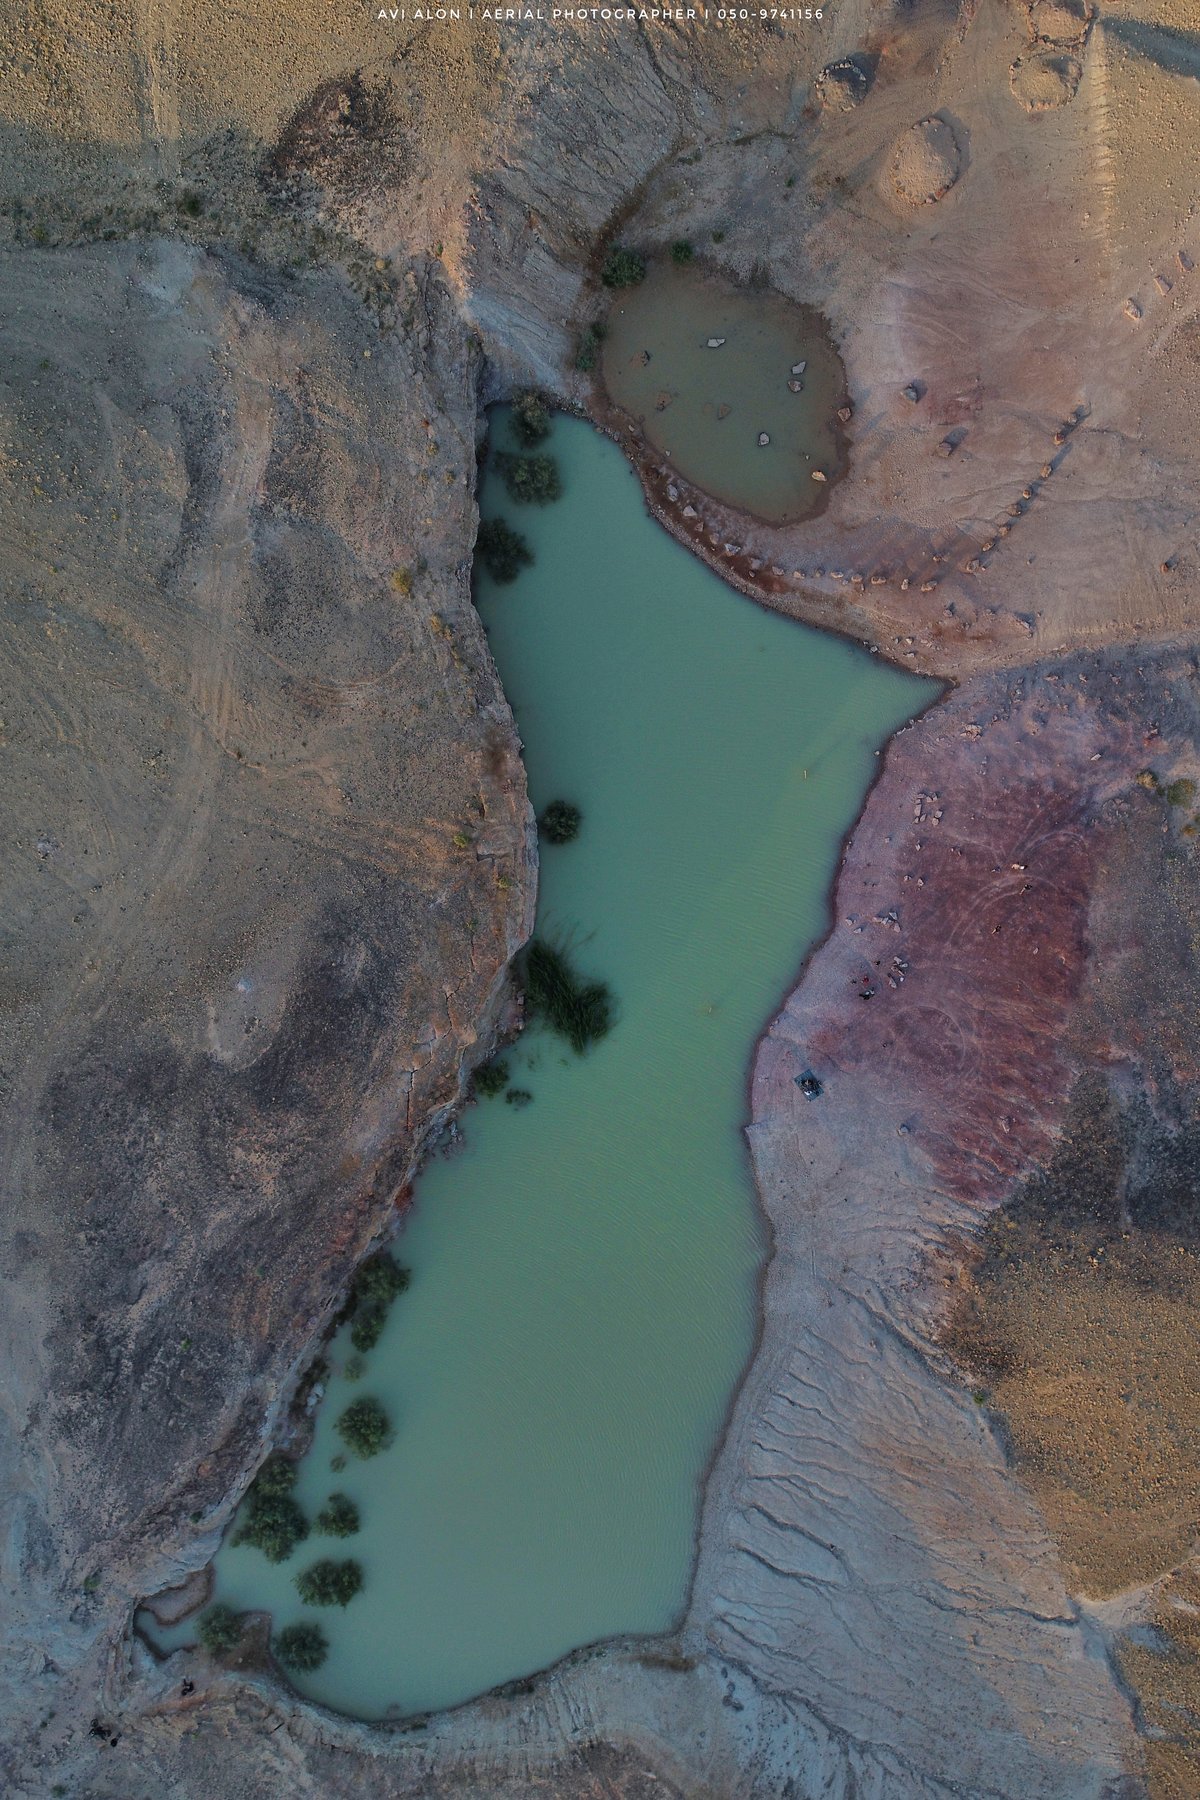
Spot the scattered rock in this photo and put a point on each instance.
(1132, 310)
(799, 368)
(819, 475)
(926, 162)
(724, 410)
(795, 387)
(845, 414)
(912, 392)
(947, 447)
(1059, 21)
(764, 438)
(715, 343)
(689, 512)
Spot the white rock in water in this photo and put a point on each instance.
(795, 387)
(799, 368)
(764, 437)
(715, 343)
(819, 475)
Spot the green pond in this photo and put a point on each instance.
(585, 1270)
(702, 369)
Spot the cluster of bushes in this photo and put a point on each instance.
(588, 348)
(622, 268)
(560, 822)
(364, 1428)
(330, 1583)
(270, 1518)
(502, 550)
(301, 1647)
(580, 1011)
(338, 1517)
(530, 480)
(376, 1285)
(220, 1629)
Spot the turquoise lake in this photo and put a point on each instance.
(585, 1270)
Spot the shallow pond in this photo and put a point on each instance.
(585, 1271)
(703, 367)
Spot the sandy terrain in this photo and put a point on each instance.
(244, 667)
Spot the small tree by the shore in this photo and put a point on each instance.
(530, 418)
(270, 1519)
(622, 268)
(338, 1517)
(502, 551)
(330, 1583)
(220, 1629)
(560, 822)
(364, 1427)
(530, 480)
(302, 1647)
(380, 1281)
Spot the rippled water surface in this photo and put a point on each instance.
(584, 1273)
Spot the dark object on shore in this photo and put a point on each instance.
(530, 418)
(530, 480)
(364, 1428)
(220, 1629)
(503, 551)
(560, 822)
(622, 268)
(302, 1647)
(330, 1583)
(270, 1518)
(491, 1078)
(580, 1011)
(809, 1086)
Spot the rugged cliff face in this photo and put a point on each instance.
(269, 848)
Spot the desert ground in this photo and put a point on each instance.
(260, 273)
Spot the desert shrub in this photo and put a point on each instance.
(220, 1629)
(588, 348)
(376, 1285)
(338, 1517)
(622, 268)
(301, 1647)
(270, 1519)
(560, 822)
(530, 418)
(364, 1428)
(681, 251)
(491, 1077)
(503, 551)
(1180, 792)
(330, 1583)
(530, 480)
(580, 1011)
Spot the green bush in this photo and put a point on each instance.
(560, 822)
(491, 1077)
(530, 480)
(588, 348)
(330, 1583)
(622, 268)
(503, 551)
(338, 1517)
(376, 1285)
(301, 1647)
(1180, 792)
(530, 418)
(681, 251)
(364, 1428)
(580, 1011)
(270, 1519)
(220, 1629)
